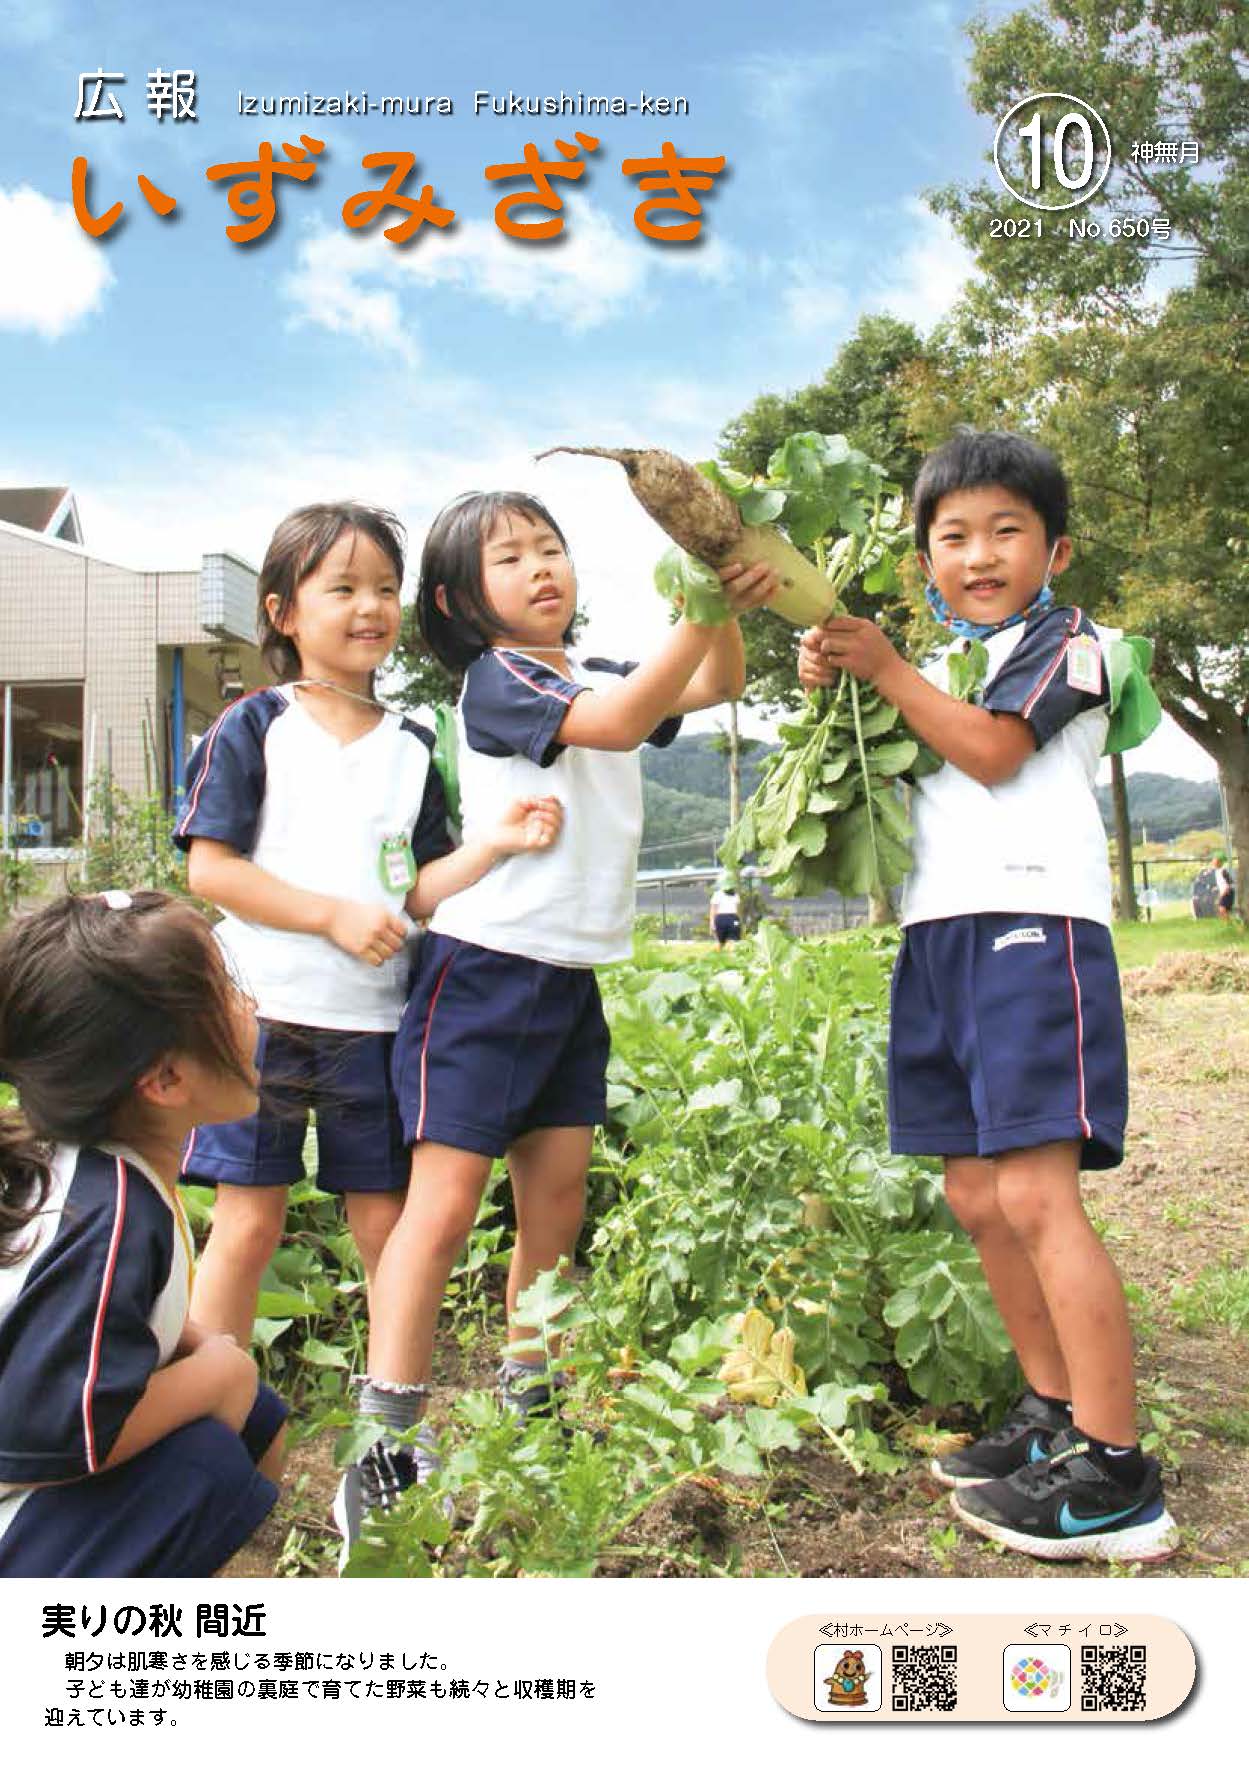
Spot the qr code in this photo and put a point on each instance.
(1112, 1677)
(925, 1676)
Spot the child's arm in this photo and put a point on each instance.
(622, 720)
(222, 875)
(225, 789)
(218, 1379)
(697, 667)
(989, 746)
(722, 673)
(528, 825)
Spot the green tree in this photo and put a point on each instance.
(1154, 70)
(416, 679)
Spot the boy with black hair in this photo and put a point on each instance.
(1007, 1053)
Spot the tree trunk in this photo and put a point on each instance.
(1123, 839)
(1235, 777)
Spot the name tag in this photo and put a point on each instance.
(1021, 935)
(1084, 665)
(395, 865)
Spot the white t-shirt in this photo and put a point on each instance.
(1034, 844)
(269, 781)
(724, 901)
(573, 903)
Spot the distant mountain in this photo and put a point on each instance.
(1163, 807)
(686, 794)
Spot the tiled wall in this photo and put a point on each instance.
(68, 617)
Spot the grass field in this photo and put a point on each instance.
(1138, 943)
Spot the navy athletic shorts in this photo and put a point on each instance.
(182, 1507)
(344, 1075)
(494, 1045)
(1006, 1031)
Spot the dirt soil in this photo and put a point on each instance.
(1173, 1210)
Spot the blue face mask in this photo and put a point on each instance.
(939, 607)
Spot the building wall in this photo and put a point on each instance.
(43, 611)
(65, 616)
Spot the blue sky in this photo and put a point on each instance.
(192, 390)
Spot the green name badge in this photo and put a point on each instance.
(395, 865)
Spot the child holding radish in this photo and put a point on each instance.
(1007, 1048)
(503, 1046)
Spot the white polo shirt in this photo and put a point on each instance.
(1034, 844)
(270, 782)
(573, 903)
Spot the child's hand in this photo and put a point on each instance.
(529, 824)
(232, 1375)
(814, 670)
(366, 931)
(747, 586)
(857, 645)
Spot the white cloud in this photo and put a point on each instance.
(814, 301)
(930, 272)
(355, 282)
(780, 84)
(328, 287)
(55, 275)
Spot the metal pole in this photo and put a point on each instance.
(178, 736)
(8, 758)
(663, 910)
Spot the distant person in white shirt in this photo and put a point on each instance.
(726, 914)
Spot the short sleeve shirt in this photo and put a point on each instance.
(270, 782)
(1035, 843)
(95, 1302)
(573, 903)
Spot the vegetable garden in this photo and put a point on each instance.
(773, 1317)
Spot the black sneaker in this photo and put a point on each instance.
(376, 1482)
(1068, 1506)
(1022, 1438)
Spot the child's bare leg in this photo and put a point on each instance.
(548, 1171)
(971, 1191)
(1039, 1194)
(273, 1459)
(372, 1216)
(412, 1270)
(246, 1231)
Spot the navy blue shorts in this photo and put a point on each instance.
(182, 1507)
(1006, 1031)
(344, 1075)
(727, 926)
(493, 1045)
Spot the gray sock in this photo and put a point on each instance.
(390, 1402)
